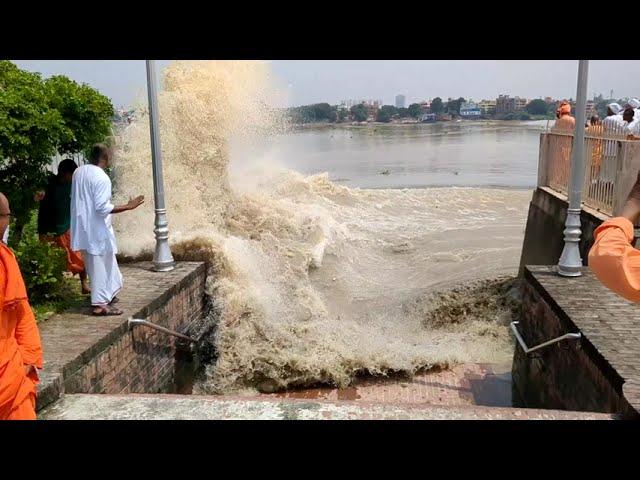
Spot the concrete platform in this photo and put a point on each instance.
(72, 339)
(196, 407)
(598, 372)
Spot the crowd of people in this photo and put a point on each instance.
(75, 214)
(625, 120)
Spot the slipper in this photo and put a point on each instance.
(105, 312)
(114, 301)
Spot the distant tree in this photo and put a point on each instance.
(453, 106)
(403, 112)
(385, 113)
(322, 111)
(342, 114)
(437, 106)
(414, 110)
(537, 107)
(359, 112)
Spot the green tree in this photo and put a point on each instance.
(414, 110)
(34, 124)
(359, 112)
(437, 106)
(342, 114)
(537, 107)
(86, 113)
(453, 106)
(385, 113)
(403, 112)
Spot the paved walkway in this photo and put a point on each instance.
(69, 339)
(609, 323)
(199, 407)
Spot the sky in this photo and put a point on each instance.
(314, 81)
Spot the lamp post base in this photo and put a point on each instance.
(570, 263)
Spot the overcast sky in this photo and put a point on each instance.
(312, 81)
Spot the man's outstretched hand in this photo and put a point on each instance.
(135, 202)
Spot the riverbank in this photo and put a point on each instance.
(360, 125)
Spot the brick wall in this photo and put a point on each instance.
(569, 375)
(144, 360)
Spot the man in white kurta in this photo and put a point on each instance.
(92, 232)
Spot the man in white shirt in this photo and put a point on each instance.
(613, 126)
(92, 232)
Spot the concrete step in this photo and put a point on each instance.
(204, 407)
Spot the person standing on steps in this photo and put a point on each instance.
(91, 230)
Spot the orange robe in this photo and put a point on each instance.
(19, 343)
(75, 263)
(614, 261)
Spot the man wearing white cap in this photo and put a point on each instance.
(614, 117)
(613, 124)
(633, 127)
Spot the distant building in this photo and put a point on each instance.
(470, 109)
(487, 107)
(549, 100)
(521, 104)
(505, 104)
(591, 108)
(425, 107)
(372, 107)
(400, 101)
(427, 117)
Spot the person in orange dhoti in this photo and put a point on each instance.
(20, 347)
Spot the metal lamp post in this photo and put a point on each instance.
(570, 263)
(162, 257)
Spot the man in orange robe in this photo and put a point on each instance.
(612, 258)
(20, 347)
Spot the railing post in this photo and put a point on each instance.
(570, 263)
(542, 160)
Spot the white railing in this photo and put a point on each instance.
(612, 161)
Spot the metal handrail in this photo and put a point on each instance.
(566, 336)
(136, 321)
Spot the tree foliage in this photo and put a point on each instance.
(37, 118)
(359, 112)
(537, 107)
(414, 110)
(386, 112)
(437, 106)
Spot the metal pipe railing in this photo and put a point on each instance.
(566, 336)
(136, 321)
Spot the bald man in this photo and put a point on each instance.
(20, 347)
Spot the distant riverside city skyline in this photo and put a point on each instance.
(307, 82)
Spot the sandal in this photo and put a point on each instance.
(114, 301)
(105, 312)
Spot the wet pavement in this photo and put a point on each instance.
(464, 392)
(465, 384)
(202, 407)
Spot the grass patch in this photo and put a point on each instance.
(70, 297)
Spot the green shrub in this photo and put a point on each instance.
(42, 265)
